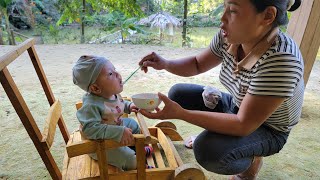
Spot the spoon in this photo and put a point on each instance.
(132, 74)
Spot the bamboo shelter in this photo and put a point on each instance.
(162, 20)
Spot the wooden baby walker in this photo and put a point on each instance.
(77, 164)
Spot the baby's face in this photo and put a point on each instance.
(109, 80)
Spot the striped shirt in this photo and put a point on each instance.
(274, 69)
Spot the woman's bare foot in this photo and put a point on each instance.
(252, 172)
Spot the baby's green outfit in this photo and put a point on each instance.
(99, 116)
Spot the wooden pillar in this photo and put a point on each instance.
(304, 27)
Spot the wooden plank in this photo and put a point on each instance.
(175, 152)
(80, 148)
(167, 149)
(102, 160)
(9, 57)
(158, 156)
(165, 123)
(66, 161)
(94, 168)
(173, 134)
(305, 29)
(51, 123)
(141, 159)
(28, 122)
(47, 89)
(143, 127)
(151, 174)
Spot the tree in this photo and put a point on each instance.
(75, 10)
(4, 10)
(184, 25)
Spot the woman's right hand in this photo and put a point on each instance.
(153, 60)
(127, 137)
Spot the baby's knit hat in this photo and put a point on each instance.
(86, 70)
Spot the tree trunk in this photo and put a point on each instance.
(8, 26)
(1, 38)
(184, 25)
(82, 20)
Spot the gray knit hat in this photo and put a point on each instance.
(86, 70)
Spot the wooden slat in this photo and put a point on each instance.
(9, 57)
(143, 127)
(66, 160)
(102, 160)
(167, 149)
(165, 123)
(152, 174)
(175, 152)
(141, 159)
(158, 156)
(80, 148)
(51, 123)
(173, 134)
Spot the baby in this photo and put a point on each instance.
(100, 114)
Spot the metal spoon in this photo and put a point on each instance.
(132, 74)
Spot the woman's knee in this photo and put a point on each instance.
(206, 151)
(176, 91)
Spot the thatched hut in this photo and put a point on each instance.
(162, 20)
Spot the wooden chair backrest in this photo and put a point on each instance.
(41, 141)
(51, 123)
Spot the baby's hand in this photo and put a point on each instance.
(133, 108)
(127, 137)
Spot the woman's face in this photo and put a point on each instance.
(240, 22)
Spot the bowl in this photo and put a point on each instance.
(146, 101)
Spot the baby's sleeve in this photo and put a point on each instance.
(90, 119)
(127, 106)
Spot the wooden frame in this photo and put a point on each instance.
(21, 107)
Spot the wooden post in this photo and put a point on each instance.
(304, 27)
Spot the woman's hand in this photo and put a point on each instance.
(127, 137)
(153, 60)
(171, 110)
(133, 108)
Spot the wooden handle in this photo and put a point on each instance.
(143, 127)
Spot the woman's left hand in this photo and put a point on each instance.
(171, 110)
(133, 108)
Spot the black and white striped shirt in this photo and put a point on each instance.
(277, 71)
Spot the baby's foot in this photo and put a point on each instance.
(149, 167)
(149, 150)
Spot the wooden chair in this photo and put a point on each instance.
(77, 164)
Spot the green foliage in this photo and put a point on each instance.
(5, 3)
(118, 21)
(54, 32)
(216, 15)
(72, 9)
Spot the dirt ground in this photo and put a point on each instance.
(300, 158)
